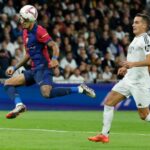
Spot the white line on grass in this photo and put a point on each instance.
(65, 131)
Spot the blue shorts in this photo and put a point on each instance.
(41, 76)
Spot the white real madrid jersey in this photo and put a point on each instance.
(137, 51)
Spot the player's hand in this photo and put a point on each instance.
(54, 63)
(10, 70)
(122, 71)
(128, 64)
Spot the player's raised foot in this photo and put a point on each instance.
(16, 111)
(99, 138)
(87, 90)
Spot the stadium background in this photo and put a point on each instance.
(93, 36)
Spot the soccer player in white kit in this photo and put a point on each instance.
(136, 81)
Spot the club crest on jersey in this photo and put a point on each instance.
(147, 48)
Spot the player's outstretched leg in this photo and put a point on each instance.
(16, 111)
(63, 91)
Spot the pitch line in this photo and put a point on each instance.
(65, 131)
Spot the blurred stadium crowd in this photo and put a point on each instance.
(93, 35)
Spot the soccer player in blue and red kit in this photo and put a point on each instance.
(36, 41)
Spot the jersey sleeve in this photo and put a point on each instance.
(147, 45)
(42, 35)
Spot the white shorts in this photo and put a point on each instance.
(140, 93)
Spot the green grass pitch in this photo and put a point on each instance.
(68, 130)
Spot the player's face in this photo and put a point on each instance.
(25, 23)
(139, 26)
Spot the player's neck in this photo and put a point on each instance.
(140, 34)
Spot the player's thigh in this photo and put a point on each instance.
(29, 77)
(141, 95)
(119, 92)
(16, 81)
(43, 78)
(143, 112)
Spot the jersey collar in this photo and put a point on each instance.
(141, 34)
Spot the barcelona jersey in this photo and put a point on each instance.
(35, 42)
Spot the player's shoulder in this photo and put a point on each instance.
(41, 31)
(145, 38)
(40, 28)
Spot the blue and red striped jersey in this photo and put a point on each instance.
(35, 42)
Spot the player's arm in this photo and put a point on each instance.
(54, 62)
(122, 71)
(12, 69)
(22, 62)
(44, 37)
(145, 62)
(54, 48)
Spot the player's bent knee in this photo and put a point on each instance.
(113, 98)
(109, 102)
(45, 93)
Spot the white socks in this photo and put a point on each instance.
(18, 104)
(148, 117)
(107, 119)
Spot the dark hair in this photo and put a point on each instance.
(145, 17)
